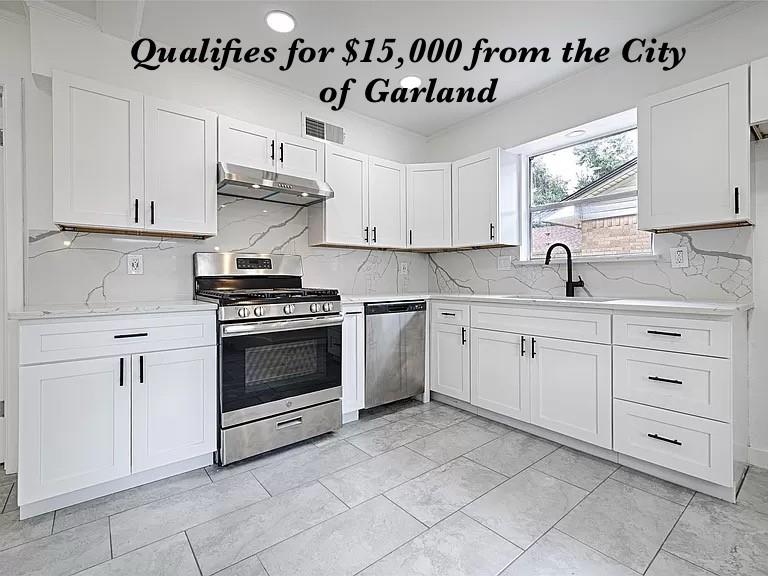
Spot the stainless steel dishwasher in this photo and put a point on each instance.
(394, 351)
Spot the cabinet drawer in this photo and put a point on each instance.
(691, 445)
(114, 336)
(692, 336)
(584, 326)
(680, 382)
(450, 313)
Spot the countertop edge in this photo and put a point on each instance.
(118, 309)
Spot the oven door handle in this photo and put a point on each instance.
(280, 326)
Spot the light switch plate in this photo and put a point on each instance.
(135, 264)
(403, 268)
(678, 256)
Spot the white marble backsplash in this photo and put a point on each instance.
(79, 268)
(720, 268)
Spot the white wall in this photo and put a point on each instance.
(733, 36)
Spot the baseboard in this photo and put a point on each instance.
(758, 457)
(70, 498)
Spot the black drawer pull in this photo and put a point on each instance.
(522, 345)
(533, 347)
(122, 370)
(668, 440)
(662, 333)
(447, 313)
(463, 336)
(141, 369)
(667, 380)
(736, 200)
(136, 210)
(136, 335)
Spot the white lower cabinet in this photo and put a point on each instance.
(75, 426)
(571, 388)
(499, 373)
(449, 361)
(353, 360)
(173, 401)
(89, 421)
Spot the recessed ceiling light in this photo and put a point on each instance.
(280, 21)
(410, 82)
(575, 133)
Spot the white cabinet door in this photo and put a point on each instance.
(759, 95)
(429, 205)
(98, 154)
(386, 203)
(246, 144)
(571, 388)
(300, 157)
(693, 154)
(180, 163)
(475, 192)
(449, 362)
(173, 406)
(353, 361)
(74, 426)
(499, 373)
(346, 214)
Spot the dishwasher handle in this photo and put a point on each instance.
(395, 307)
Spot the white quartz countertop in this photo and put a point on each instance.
(82, 310)
(608, 304)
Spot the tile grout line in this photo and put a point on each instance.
(197, 563)
(669, 534)
(647, 491)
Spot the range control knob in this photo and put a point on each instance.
(289, 308)
(314, 307)
(327, 307)
(258, 311)
(243, 312)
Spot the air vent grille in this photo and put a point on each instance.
(315, 128)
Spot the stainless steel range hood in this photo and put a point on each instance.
(245, 182)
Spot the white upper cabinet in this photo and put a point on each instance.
(180, 163)
(98, 154)
(386, 203)
(428, 189)
(300, 157)
(246, 144)
(693, 148)
(759, 86)
(123, 161)
(485, 200)
(342, 220)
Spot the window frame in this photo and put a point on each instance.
(526, 239)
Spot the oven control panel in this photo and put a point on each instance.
(267, 311)
(254, 264)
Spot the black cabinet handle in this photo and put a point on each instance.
(667, 380)
(122, 370)
(447, 313)
(522, 345)
(491, 230)
(134, 335)
(136, 210)
(365, 232)
(281, 151)
(736, 200)
(272, 155)
(410, 237)
(141, 369)
(668, 440)
(533, 347)
(374, 234)
(463, 336)
(662, 333)
(152, 212)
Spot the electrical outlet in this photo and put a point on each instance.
(678, 257)
(403, 268)
(135, 264)
(504, 263)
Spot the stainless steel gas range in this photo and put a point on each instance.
(279, 351)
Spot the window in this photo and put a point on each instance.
(585, 196)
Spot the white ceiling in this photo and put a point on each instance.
(331, 23)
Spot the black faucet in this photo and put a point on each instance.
(569, 284)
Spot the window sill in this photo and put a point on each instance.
(592, 259)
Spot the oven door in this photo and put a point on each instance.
(268, 368)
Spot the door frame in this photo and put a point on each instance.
(12, 231)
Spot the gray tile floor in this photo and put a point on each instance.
(410, 489)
